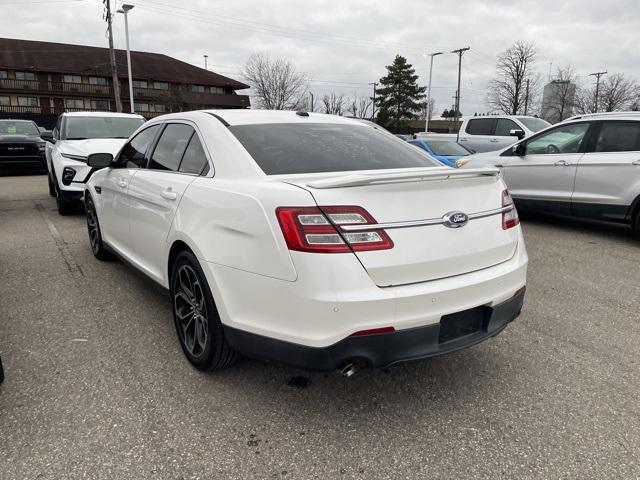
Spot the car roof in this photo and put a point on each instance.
(607, 116)
(16, 120)
(102, 114)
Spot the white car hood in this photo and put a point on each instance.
(85, 148)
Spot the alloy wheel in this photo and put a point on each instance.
(93, 227)
(190, 310)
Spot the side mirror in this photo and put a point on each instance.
(99, 160)
(47, 136)
(516, 132)
(518, 149)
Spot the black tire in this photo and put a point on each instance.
(93, 229)
(52, 188)
(1, 372)
(636, 224)
(196, 316)
(64, 206)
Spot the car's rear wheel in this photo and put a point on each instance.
(196, 317)
(93, 228)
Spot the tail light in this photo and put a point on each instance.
(313, 229)
(510, 217)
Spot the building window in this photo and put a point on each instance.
(97, 81)
(74, 103)
(72, 79)
(217, 89)
(141, 107)
(28, 101)
(25, 76)
(161, 108)
(3, 74)
(161, 85)
(140, 84)
(5, 101)
(100, 105)
(197, 88)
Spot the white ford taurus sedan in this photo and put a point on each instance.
(314, 240)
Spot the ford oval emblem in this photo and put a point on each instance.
(455, 219)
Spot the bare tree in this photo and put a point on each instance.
(560, 96)
(360, 106)
(333, 104)
(276, 83)
(616, 92)
(515, 86)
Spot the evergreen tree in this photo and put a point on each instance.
(400, 97)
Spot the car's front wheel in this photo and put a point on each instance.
(52, 188)
(93, 228)
(64, 206)
(196, 317)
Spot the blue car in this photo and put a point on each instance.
(445, 151)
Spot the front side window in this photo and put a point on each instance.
(161, 85)
(504, 126)
(72, 79)
(171, 146)
(481, 126)
(194, 159)
(28, 101)
(133, 153)
(25, 76)
(618, 137)
(81, 128)
(564, 139)
(291, 148)
(97, 81)
(74, 103)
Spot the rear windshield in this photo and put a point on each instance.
(81, 128)
(12, 127)
(534, 124)
(292, 148)
(446, 148)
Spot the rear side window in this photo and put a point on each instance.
(291, 148)
(194, 160)
(481, 126)
(133, 153)
(171, 146)
(504, 126)
(618, 137)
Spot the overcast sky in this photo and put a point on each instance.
(344, 45)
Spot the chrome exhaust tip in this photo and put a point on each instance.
(349, 370)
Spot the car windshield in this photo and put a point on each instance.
(292, 148)
(12, 127)
(446, 148)
(81, 128)
(534, 124)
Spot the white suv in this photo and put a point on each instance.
(311, 239)
(587, 166)
(76, 136)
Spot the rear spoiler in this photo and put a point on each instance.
(361, 179)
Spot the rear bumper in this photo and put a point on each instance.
(463, 329)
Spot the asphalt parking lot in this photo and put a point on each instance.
(97, 387)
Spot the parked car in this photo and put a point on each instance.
(445, 151)
(76, 136)
(310, 239)
(21, 145)
(495, 132)
(587, 166)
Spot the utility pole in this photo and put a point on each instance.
(597, 75)
(112, 56)
(205, 62)
(426, 122)
(459, 51)
(526, 98)
(373, 108)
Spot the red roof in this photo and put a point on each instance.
(84, 60)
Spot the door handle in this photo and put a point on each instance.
(122, 183)
(636, 162)
(562, 163)
(462, 140)
(169, 194)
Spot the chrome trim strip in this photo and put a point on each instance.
(422, 223)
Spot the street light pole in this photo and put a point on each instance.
(205, 62)
(124, 9)
(426, 122)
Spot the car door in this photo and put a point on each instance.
(501, 137)
(155, 193)
(477, 133)
(608, 177)
(114, 202)
(541, 171)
